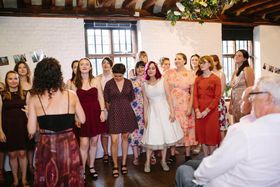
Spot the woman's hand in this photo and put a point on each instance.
(204, 114)
(2, 136)
(25, 109)
(189, 112)
(102, 116)
(171, 117)
(198, 115)
(78, 124)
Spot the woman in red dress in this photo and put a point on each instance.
(91, 97)
(207, 93)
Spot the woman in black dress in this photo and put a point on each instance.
(13, 129)
(118, 95)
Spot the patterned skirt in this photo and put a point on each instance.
(58, 161)
(223, 120)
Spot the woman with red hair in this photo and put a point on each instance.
(161, 129)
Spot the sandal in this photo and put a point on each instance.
(94, 174)
(115, 172)
(135, 162)
(171, 159)
(106, 159)
(124, 169)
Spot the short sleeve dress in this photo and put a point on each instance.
(121, 117)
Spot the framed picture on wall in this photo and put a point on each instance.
(4, 61)
(19, 58)
(37, 56)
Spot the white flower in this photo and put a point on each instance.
(177, 13)
(197, 10)
(169, 11)
(180, 6)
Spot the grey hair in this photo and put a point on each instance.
(270, 84)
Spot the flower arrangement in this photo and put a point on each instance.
(199, 9)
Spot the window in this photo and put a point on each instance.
(116, 40)
(229, 49)
(235, 38)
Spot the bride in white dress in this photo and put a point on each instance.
(161, 129)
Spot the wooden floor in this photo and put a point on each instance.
(135, 177)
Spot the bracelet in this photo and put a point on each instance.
(102, 110)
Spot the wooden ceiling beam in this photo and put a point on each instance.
(80, 3)
(108, 3)
(251, 4)
(130, 4)
(148, 4)
(167, 5)
(262, 8)
(240, 7)
(1, 4)
(91, 4)
(266, 12)
(68, 4)
(46, 4)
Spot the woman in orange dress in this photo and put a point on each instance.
(207, 94)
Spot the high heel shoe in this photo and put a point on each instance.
(93, 174)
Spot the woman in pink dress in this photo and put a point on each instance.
(181, 83)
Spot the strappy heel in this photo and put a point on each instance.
(94, 174)
(124, 169)
(115, 172)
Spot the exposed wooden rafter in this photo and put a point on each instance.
(252, 12)
(130, 4)
(1, 4)
(267, 6)
(68, 4)
(167, 5)
(148, 4)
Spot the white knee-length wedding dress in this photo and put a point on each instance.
(160, 132)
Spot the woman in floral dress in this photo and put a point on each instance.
(181, 83)
(135, 138)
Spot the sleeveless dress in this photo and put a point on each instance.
(14, 123)
(160, 132)
(180, 92)
(89, 101)
(137, 104)
(57, 155)
(236, 93)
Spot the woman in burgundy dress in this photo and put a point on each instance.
(118, 95)
(207, 94)
(90, 93)
(13, 129)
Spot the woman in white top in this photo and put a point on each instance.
(161, 128)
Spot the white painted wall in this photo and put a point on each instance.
(57, 37)
(159, 38)
(266, 48)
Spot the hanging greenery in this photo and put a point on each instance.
(199, 9)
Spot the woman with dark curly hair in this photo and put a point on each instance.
(13, 129)
(58, 161)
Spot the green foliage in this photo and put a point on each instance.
(198, 10)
